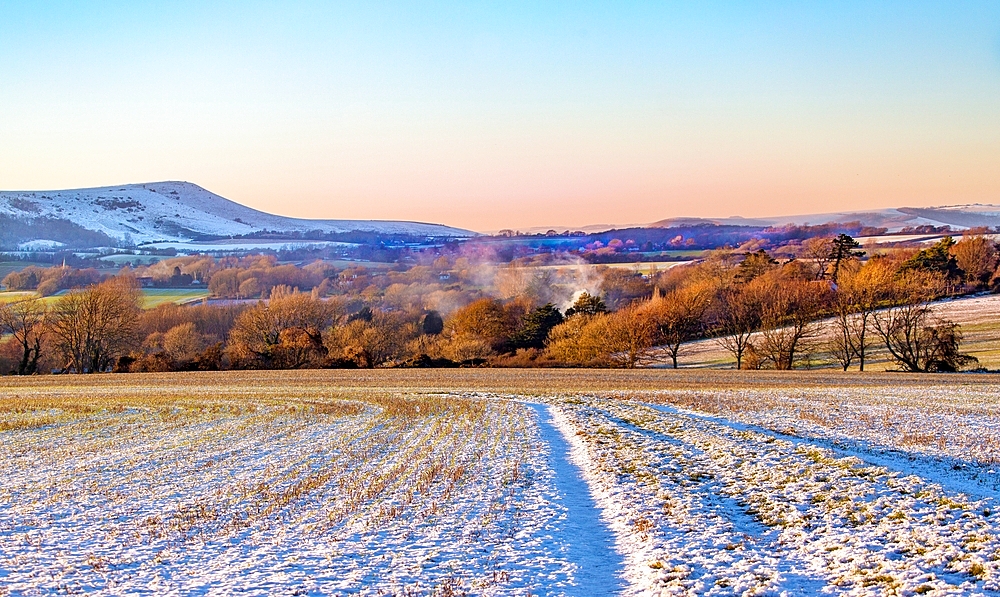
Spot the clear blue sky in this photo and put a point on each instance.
(509, 114)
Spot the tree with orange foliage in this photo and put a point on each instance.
(738, 317)
(486, 320)
(624, 338)
(629, 336)
(861, 291)
(579, 340)
(977, 257)
(261, 336)
(370, 341)
(788, 313)
(25, 321)
(677, 317)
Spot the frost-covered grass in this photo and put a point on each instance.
(953, 422)
(291, 489)
(463, 482)
(708, 508)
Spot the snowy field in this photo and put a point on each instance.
(500, 483)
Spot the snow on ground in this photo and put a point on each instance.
(248, 245)
(40, 245)
(940, 422)
(789, 488)
(593, 547)
(708, 509)
(437, 495)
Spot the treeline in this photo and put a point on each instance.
(47, 281)
(15, 230)
(766, 312)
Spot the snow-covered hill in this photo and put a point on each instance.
(178, 211)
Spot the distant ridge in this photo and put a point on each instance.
(171, 212)
(894, 219)
(956, 216)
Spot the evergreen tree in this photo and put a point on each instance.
(754, 264)
(587, 304)
(431, 323)
(938, 259)
(536, 325)
(844, 247)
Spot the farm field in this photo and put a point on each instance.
(15, 296)
(500, 482)
(152, 297)
(7, 267)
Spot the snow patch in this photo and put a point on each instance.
(40, 245)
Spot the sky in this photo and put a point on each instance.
(509, 114)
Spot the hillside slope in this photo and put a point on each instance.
(166, 211)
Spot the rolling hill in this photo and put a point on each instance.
(895, 219)
(165, 212)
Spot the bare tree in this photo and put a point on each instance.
(738, 318)
(25, 321)
(909, 334)
(817, 250)
(858, 296)
(841, 344)
(96, 326)
(629, 335)
(916, 339)
(787, 319)
(677, 318)
(261, 338)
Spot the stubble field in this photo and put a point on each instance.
(500, 482)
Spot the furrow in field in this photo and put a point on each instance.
(713, 510)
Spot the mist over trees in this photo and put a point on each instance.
(766, 309)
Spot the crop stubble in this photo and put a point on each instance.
(436, 482)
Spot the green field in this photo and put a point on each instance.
(7, 267)
(13, 297)
(152, 297)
